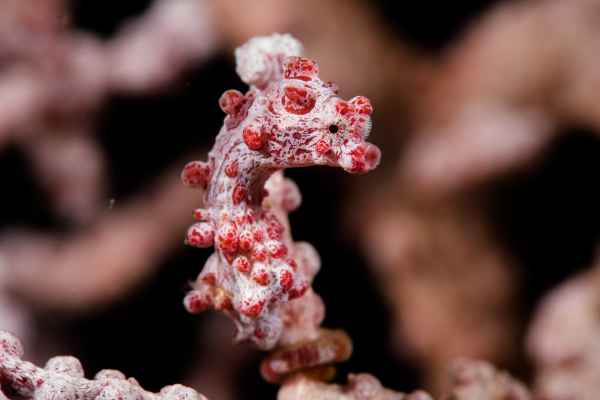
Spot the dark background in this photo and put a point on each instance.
(548, 217)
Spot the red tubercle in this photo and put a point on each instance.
(358, 152)
(242, 264)
(373, 155)
(255, 138)
(297, 100)
(300, 68)
(253, 310)
(246, 240)
(209, 279)
(236, 106)
(362, 105)
(260, 274)
(196, 301)
(259, 252)
(239, 194)
(343, 108)
(200, 235)
(322, 147)
(258, 234)
(358, 166)
(196, 174)
(358, 159)
(230, 101)
(365, 157)
(228, 240)
(277, 249)
(286, 280)
(231, 170)
(298, 290)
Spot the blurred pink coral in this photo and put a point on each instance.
(359, 387)
(563, 340)
(502, 94)
(418, 251)
(470, 380)
(479, 380)
(118, 252)
(54, 80)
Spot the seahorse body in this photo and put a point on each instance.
(288, 118)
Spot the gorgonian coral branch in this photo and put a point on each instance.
(289, 118)
(358, 387)
(469, 380)
(63, 378)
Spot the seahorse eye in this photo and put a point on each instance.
(334, 128)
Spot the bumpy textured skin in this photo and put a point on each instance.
(288, 118)
(63, 379)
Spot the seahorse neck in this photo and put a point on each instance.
(239, 179)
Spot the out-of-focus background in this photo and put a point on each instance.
(486, 202)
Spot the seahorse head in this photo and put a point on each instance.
(294, 118)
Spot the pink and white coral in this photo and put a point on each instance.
(359, 387)
(469, 380)
(563, 339)
(289, 118)
(479, 380)
(63, 378)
